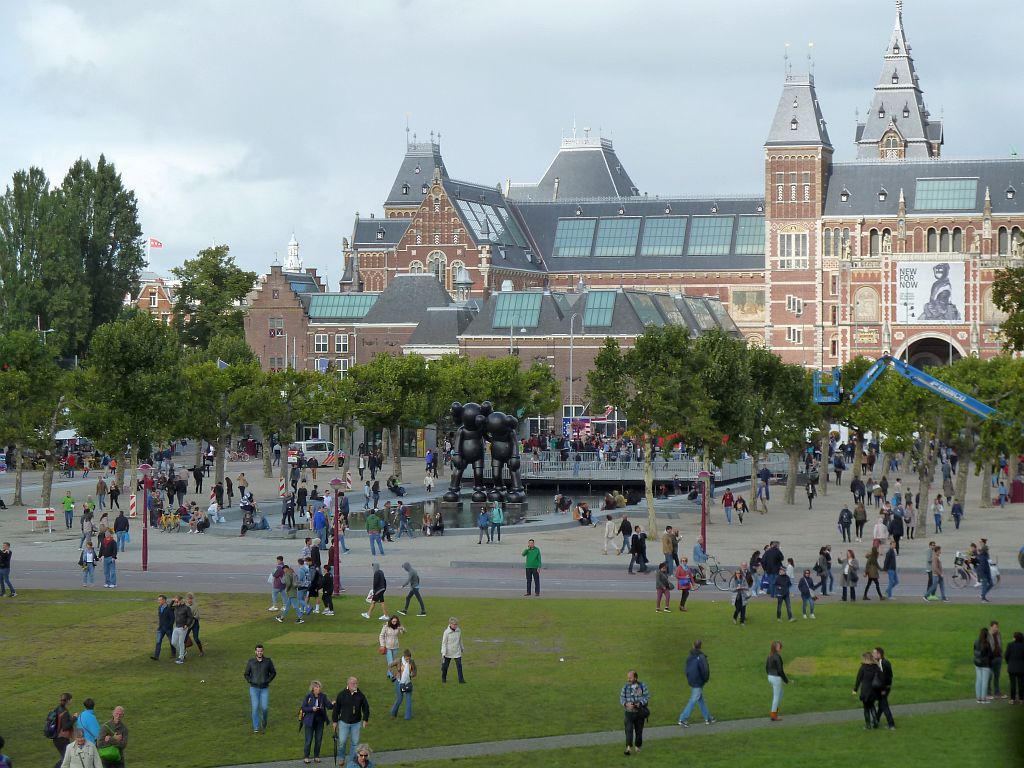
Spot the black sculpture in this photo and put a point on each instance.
(501, 434)
(480, 424)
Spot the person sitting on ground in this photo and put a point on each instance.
(199, 523)
(394, 487)
(583, 514)
(438, 526)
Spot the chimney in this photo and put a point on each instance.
(554, 192)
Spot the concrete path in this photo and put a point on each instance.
(697, 729)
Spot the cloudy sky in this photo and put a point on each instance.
(237, 121)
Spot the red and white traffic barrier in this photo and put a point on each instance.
(47, 516)
(348, 480)
(281, 487)
(133, 510)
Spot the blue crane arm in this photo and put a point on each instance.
(921, 379)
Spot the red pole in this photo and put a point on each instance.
(335, 545)
(145, 527)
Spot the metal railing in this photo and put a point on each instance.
(591, 466)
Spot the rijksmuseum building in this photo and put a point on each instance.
(894, 252)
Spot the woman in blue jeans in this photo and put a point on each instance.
(776, 676)
(404, 670)
(982, 666)
(314, 717)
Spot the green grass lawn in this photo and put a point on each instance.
(97, 644)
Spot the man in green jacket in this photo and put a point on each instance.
(533, 566)
(373, 530)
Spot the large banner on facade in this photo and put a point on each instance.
(930, 292)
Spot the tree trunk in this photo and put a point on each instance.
(51, 457)
(962, 473)
(649, 489)
(986, 487)
(223, 443)
(753, 473)
(824, 465)
(925, 470)
(119, 476)
(198, 461)
(133, 460)
(268, 459)
(19, 464)
(858, 453)
(794, 467)
(393, 436)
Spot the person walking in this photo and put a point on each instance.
(983, 570)
(782, 586)
(533, 566)
(669, 546)
(866, 685)
(483, 521)
(314, 716)
(327, 589)
(277, 584)
(871, 572)
(182, 621)
(290, 583)
(811, 493)
(121, 528)
(164, 625)
(662, 585)
(634, 699)
(776, 676)
(350, 715)
(389, 641)
(845, 520)
(610, 533)
(882, 693)
(806, 587)
(88, 560)
(938, 512)
(626, 531)
(741, 596)
(452, 649)
(1014, 658)
(937, 580)
(413, 582)
(259, 673)
(889, 566)
(638, 550)
(404, 670)
(81, 753)
(982, 666)
(5, 570)
(851, 576)
(108, 553)
(380, 586)
(374, 527)
(63, 726)
(193, 628)
(113, 736)
(698, 673)
(497, 518)
(684, 580)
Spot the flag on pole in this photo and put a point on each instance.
(154, 243)
(221, 364)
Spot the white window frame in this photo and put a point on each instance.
(795, 305)
(153, 298)
(794, 335)
(320, 343)
(341, 343)
(341, 366)
(792, 250)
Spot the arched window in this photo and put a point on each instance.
(1004, 241)
(437, 264)
(944, 240)
(958, 240)
(416, 267)
(826, 242)
(933, 241)
(873, 243)
(453, 274)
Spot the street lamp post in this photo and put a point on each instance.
(336, 484)
(511, 337)
(572, 339)
(145, 469)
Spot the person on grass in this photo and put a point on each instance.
(390, 640)
(413, 582)
(865, 686)
(259, 674)
(403, 671)
(452, 649)
(634, 699)
(698, 673)
(350, 715)
(806, 587)
(380, 586)
(114, 733)
(882, 699)
(776, 672)
(314, 715)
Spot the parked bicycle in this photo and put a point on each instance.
(714, 574)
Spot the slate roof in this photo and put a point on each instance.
(799, 102)
(541, 220)
(365, 232)
(406, 300)
(441, 326)
(421, 158)
(632, 312)
(300, 282)
(586, 167)
(863, 180)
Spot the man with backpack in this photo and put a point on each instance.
(59, 726)
(698, 673)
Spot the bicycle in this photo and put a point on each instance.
(963, 575)
(715, 574)
(239, 456)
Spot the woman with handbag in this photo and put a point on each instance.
(684, 581)
(634, 699)
(113, 740)
(403, 670)
(388, 642)
(850, 575)
(867, 685)
(313, 715)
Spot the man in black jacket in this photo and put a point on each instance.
(771, 561)
(259, 673)
(121, 527)
(882, 703)
(781, 592)
(164, 624)
(351, 714)
(626, 531)
(182, 622)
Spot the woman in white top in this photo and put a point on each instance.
(404, 670)
(611, 533)
(88, 564)
(390, 635)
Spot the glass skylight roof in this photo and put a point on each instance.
(521, 310)
(945, 194)
(574, 237)
(646, 310)
(600, 305)
(341, 305)
(663, 236)
(750, 236)
(700, 313)
(491, 224)
(710, 235)
(617, 237)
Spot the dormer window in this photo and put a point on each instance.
(793, 124)
(668, 209)
(417, 169)
(622, 210)
(1010, 193)
(579, 211)
(425, 188)
(906, 111)
(896, 48)
(844, 196)
(794, 102)
(714, 208)
(895, 78)
(380, 233)
(405, 189)
(881, 111)
(882, 194)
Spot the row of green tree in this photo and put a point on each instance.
(724, 398)
(140, 387)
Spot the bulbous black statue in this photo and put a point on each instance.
(479, 424)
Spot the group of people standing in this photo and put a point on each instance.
(80, 739)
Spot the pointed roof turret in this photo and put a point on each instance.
(294, 262)
(421, 160)
(798, 120)
(898, 103)
(585, 167)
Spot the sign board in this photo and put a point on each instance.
(930, 292)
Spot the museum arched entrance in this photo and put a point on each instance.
(930, 351)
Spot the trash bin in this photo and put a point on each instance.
(1017, 492)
